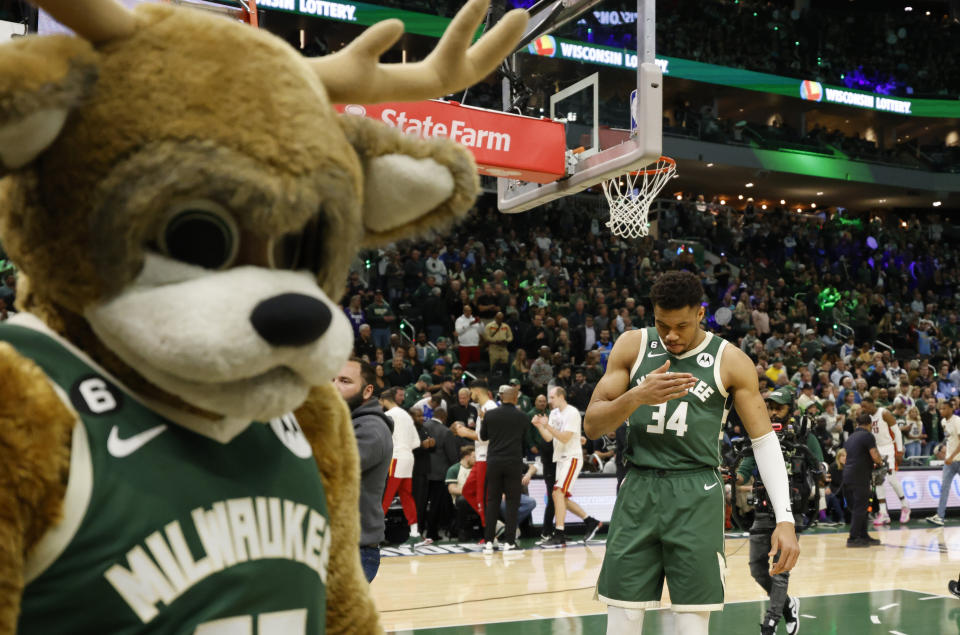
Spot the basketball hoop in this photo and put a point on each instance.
(630, 196)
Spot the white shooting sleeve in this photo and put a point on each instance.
(773, 473)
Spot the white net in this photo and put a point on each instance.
(630, 196)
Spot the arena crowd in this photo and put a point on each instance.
(836, 306)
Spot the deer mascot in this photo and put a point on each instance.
(183, 203)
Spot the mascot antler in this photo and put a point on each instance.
(355, 74)
(95, 20)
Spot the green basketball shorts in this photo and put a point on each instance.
(666, 525)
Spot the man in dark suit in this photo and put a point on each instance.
(533, 335)
(398, 374)
(577, 317)
(364, 345)
(504, 427)
(444, 453)
(583, 338)
(463, 411)
(580, 390)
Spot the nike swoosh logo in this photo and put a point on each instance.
(709, 487)
(120, 448)
(655, 355)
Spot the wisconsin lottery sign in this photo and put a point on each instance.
(815, 91)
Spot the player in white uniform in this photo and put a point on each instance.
(563, 428)
(400, 475)
(899, 413)
(882, 425)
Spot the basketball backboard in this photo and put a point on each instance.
(578, 107)
(589, 159)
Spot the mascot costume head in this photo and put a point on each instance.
(183, 203)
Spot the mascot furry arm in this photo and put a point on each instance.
(183, 203)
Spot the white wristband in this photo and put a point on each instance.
(773, 473)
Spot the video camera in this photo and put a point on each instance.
(827, 444)
(803, 473)
(879, 474)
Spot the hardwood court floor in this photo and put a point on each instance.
(867, 613)
(844, 588)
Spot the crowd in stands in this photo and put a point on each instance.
(836, 306)
(704, 123)
(891, 52)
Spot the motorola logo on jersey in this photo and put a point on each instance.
(705, 360)
(93, 395)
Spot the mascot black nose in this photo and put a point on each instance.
(291, 319)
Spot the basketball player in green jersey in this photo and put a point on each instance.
(674, 384)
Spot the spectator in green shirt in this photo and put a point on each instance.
(456, 477)
(811, 347)
(414, 392)
(381, 319)
(524, 403)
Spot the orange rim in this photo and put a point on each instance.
(670, 165)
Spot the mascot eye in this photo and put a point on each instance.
(200, 233)
(300, 250)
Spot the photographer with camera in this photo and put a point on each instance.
(803, 469)
(817, 427)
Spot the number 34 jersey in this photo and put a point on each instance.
(685, 433)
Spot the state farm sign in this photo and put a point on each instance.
(503, 144)
(458, 130)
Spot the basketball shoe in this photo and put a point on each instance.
(791, 615)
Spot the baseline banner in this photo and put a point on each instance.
(921, 488)
(503, 144)
(596, 494)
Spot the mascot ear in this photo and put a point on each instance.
(411, 185)
(41, 80)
